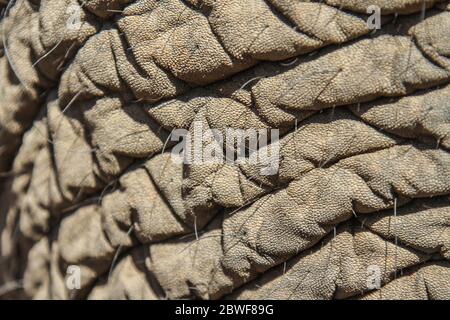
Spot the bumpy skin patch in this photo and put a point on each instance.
(87, 177)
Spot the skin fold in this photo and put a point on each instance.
(91, 93)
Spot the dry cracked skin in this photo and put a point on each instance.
(92, 91)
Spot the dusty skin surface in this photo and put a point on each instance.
(87, 178)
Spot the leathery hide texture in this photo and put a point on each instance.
(92, 93)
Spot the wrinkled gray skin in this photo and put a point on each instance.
(91, 91)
